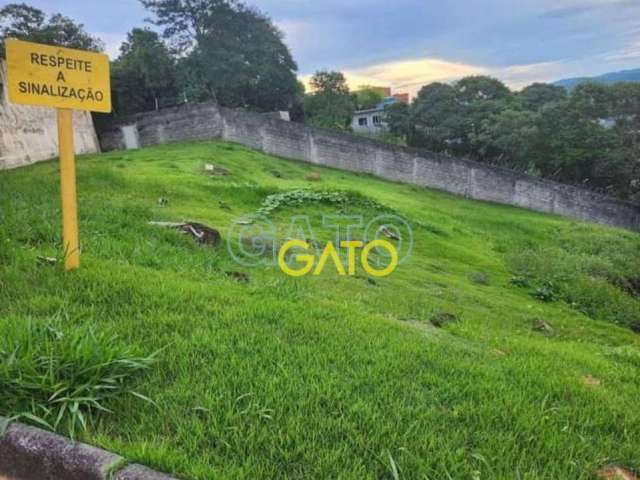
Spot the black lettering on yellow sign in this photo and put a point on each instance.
(67, 63)
(82, 94)
(60, 77)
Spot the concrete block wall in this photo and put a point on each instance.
(30, 134)
(178, 124)
(299, 142)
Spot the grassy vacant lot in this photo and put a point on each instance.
(327, 376)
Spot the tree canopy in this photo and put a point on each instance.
(330, 104)
(367, 97)
(588, 137)
(143, 72)
(229, 52)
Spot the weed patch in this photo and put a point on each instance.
(61, 379)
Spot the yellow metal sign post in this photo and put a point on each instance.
(65, 79)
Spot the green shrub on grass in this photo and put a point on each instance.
(598, 298)
(588, 268)
(303, 196)
(61, 378)
(547, 292)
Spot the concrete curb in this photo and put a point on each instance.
(28, 453)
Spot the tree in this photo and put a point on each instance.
(537, 95)
(236, 54)
(368, 97)
(329, 82)
(446, 117)
(143, 72)
(626, 114)
(438, 117)
(625, 111)
(573, 145)
(589, 137)
(480, 87)
(296, 112)
(510, 138)
(592, 100)
(330, 105)
(18, 20)
(399, 120)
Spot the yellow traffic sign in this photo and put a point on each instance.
(57, 77)
(65, 79)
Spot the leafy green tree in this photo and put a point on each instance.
(297, 109)
(483, 98)
(236, 54)
(399, 120)
(18, 20)
(573, 145)
(625, 111)
(143, 74)
(578, 147)
(510, 138)
(589, 137)
(329, 82)
(626, 114)
(537, 95)
(480, 87)
(439, 119)
(592, 100)
(449, 117)
(330, 104)
(367, 97)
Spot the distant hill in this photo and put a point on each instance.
(607, 78)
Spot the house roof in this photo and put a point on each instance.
(378, 108)
(371, 110)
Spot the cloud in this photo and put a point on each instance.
(567, 12)
(587, 7)
(408, 75)
(407, 43)
(112, 42)
(629, 52)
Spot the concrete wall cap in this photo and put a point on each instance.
(28, 453)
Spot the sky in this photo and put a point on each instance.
(406, 44)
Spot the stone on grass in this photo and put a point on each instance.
(216, 170)
(42, 260)
(388, 232)
(615, 472)
(591, 381)
(540, 325)
(201, 233)
(440, 319)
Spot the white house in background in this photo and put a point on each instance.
(372, 121)
(368, 121)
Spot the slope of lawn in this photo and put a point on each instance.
(267, 376)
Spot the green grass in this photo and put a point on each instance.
(327, 376)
